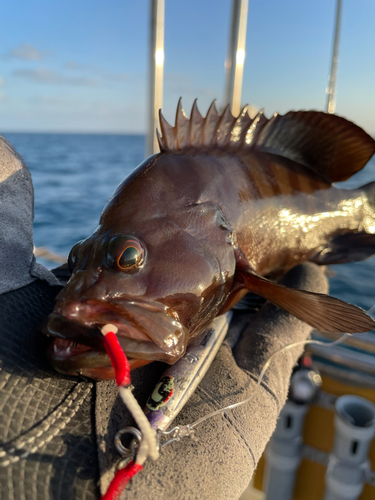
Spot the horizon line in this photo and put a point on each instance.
(78, 132)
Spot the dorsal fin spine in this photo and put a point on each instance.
(224, 127)
(182, 127)
(160, 141)
(252, 129)
(196, 124)
(167, 133)
(210, 125)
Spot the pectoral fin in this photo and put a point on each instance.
(321, 311)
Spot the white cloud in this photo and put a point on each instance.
(43, 75)
(184, 85)
(97, 71)
(73, 66)
(27, 52)
(116, 77)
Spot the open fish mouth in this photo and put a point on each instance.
(72, 358)
(145, 332)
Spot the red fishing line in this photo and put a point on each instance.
(121, 479)
(117, 356)
(121, 366)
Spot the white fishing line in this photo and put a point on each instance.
(187, 430)
(148, 445)
(371, 310)
(263, 372)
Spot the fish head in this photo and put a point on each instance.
(159, 279)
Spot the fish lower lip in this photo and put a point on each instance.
(79, 359)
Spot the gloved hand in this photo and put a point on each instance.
(57, 431)
(47, 439)
(219, 462)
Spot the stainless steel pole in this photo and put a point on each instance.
(331, 89)
(234, 63)
(156, 68)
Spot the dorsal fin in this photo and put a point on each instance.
(332, 146)
(328, 144)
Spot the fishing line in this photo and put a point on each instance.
(148, 446)
(261, 377)
(371, 310)
(179, 432)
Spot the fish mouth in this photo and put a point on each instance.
(146, 331)
(71, 358)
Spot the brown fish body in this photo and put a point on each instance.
(206, 223)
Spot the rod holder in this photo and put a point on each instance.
(354, 429)
(284, 451)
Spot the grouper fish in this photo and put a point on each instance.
(228, 205)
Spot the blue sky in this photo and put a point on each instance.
(82, 65)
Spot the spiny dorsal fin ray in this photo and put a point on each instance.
(210, 125)
(196, 123)
(225, 126)
(240, 128)
(328, 144)
(182, 127)
(168, 139)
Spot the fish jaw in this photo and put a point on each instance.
(70, 358)
(146, 332)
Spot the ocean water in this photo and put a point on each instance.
(75, 174)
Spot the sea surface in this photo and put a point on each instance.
(75, 174)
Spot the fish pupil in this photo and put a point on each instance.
(129, 257)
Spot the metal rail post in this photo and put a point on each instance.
(156, 68)
(234, 63)
(331, 89)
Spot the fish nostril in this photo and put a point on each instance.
(86, 280)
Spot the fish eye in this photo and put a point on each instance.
(125, 253)
(73, 255)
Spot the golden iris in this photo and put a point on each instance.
(125, 253)
(129, 257)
